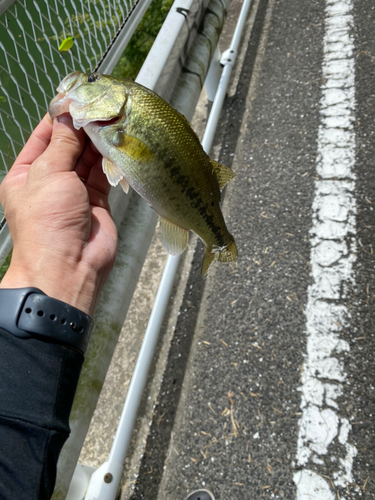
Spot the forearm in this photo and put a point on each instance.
(37, 388)
(42, 342)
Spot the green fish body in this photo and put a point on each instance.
(147, 144)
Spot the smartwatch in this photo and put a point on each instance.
(29, 313)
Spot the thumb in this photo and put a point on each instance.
(65, 148)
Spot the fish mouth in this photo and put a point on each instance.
(62, 103)
(58, 106)
(106, 123)
(88, 123)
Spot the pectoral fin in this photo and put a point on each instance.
(223, 173)
(114, 174)
(174, 238)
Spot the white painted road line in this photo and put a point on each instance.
(333, 254)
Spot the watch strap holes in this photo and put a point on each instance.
(29, 313)
(76, 328)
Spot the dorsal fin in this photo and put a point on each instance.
(223, 174)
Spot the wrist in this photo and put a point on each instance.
(76, 285)
(30, 313)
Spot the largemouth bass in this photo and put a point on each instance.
(147, 144)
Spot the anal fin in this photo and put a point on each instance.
(174, 238)
(114, 174)
(209, 259)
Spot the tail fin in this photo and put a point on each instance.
(228, 254)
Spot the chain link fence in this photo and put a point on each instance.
(41, 41)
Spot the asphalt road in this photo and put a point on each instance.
(269, 386)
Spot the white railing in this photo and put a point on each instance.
(103, 483)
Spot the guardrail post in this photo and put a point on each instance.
(213, 75)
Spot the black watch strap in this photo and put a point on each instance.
(28, 312)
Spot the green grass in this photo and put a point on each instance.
(141, 42)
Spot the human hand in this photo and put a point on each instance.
(64, 238)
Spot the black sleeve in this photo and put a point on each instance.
(37, 386)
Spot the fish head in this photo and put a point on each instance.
(89, 98)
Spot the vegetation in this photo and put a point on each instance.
(4, 267)
(141, 42)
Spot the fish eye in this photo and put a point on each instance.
(92, 78)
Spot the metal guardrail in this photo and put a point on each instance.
(98, 487)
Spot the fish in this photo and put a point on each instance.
(148, 145)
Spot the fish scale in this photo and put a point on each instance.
(147, 144)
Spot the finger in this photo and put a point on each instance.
(65, 147)
(88, 158)
(36, 145)
(97, 179)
